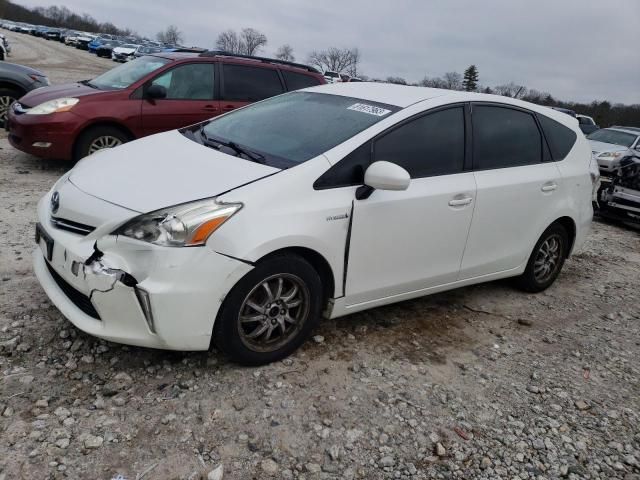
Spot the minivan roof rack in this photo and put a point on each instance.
(222, 53)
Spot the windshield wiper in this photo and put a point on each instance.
(215, 143)
(88, 84)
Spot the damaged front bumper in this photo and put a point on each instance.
(141, 294)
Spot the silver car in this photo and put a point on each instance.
(610, 145)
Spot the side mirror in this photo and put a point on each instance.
(156, 92)
(383, 175)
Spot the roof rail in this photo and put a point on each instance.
(222, 53)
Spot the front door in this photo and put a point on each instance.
(189, 100)
(406, 241)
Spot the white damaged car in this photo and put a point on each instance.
(246, 229)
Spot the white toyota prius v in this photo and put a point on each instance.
(243, 231)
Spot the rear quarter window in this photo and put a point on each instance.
(296, 81)
(559, 138)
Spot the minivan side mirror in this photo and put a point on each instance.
(382, 175)
(156, 92)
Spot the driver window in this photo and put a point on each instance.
(193, 81)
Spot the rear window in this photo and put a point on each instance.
(296, 81)
(559, 138)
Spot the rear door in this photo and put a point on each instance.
(190, 98)
(518, 186)
(244, 84)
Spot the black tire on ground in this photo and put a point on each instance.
(7, 96)
(231, 335)
(530, 280)
(108, 133)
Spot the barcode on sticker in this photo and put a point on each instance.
(370, 109)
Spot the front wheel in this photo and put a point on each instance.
(99, 138)
(270, 312)
(546, 260)
(7, 97)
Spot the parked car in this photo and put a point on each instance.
(148, 95)
(143, 50)
(331, 77)
(106, 49)
(96, 42)
(124, 52)
(52, 34)
(610, 145)
(619, 199)
(587, 124)
(82, 41)
(15, 81)
(244, 230)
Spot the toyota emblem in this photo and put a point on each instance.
(55, 202)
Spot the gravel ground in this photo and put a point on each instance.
(480, 382)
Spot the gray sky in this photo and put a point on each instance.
(578, 50)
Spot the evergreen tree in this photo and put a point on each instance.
(470, 82)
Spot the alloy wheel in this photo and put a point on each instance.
(5, 103)
(102, 142)
(273, 312)
(548, 258)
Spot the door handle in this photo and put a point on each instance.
(460, 202)
(549, 187)
(210, 108)
(228, 108)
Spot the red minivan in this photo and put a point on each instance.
(148, 95)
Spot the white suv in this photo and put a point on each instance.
(246, 229)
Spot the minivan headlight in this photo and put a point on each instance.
(185, 225)
(53, 106)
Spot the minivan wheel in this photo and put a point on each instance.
(270, 312)
(546, 260)
(99, 138)
(7, 97)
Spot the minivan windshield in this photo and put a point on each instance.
(292, 128)
(613, 136)
(128, 73)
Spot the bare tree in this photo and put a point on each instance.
(285, 52)
(396, 80)
(251, 41)
(228, 41)
(452, 81)
(511, 90)
(171, 35)
(342, 60)
(248, 42)
(433, 82)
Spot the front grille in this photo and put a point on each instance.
(79, 299)
(71, 226)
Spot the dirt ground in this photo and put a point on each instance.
(480, 382)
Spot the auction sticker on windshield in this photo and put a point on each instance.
(370, 109)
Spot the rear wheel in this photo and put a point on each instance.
(270, 312)
(546, 260)
(7, 97)
(99, 138)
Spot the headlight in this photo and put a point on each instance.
(54, 106)
(186, 225)
(612, 155)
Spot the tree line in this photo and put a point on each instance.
(249, 41)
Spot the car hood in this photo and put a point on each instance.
(41, 95)
(123, 50)
(162, 170)
(599, 147)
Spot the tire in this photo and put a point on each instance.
(546, 260)
(92, 138)
(7, 97)
(237, 321)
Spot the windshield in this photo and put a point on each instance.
(613, 136)
(129, 45)
(128, 73)
(293, 128)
